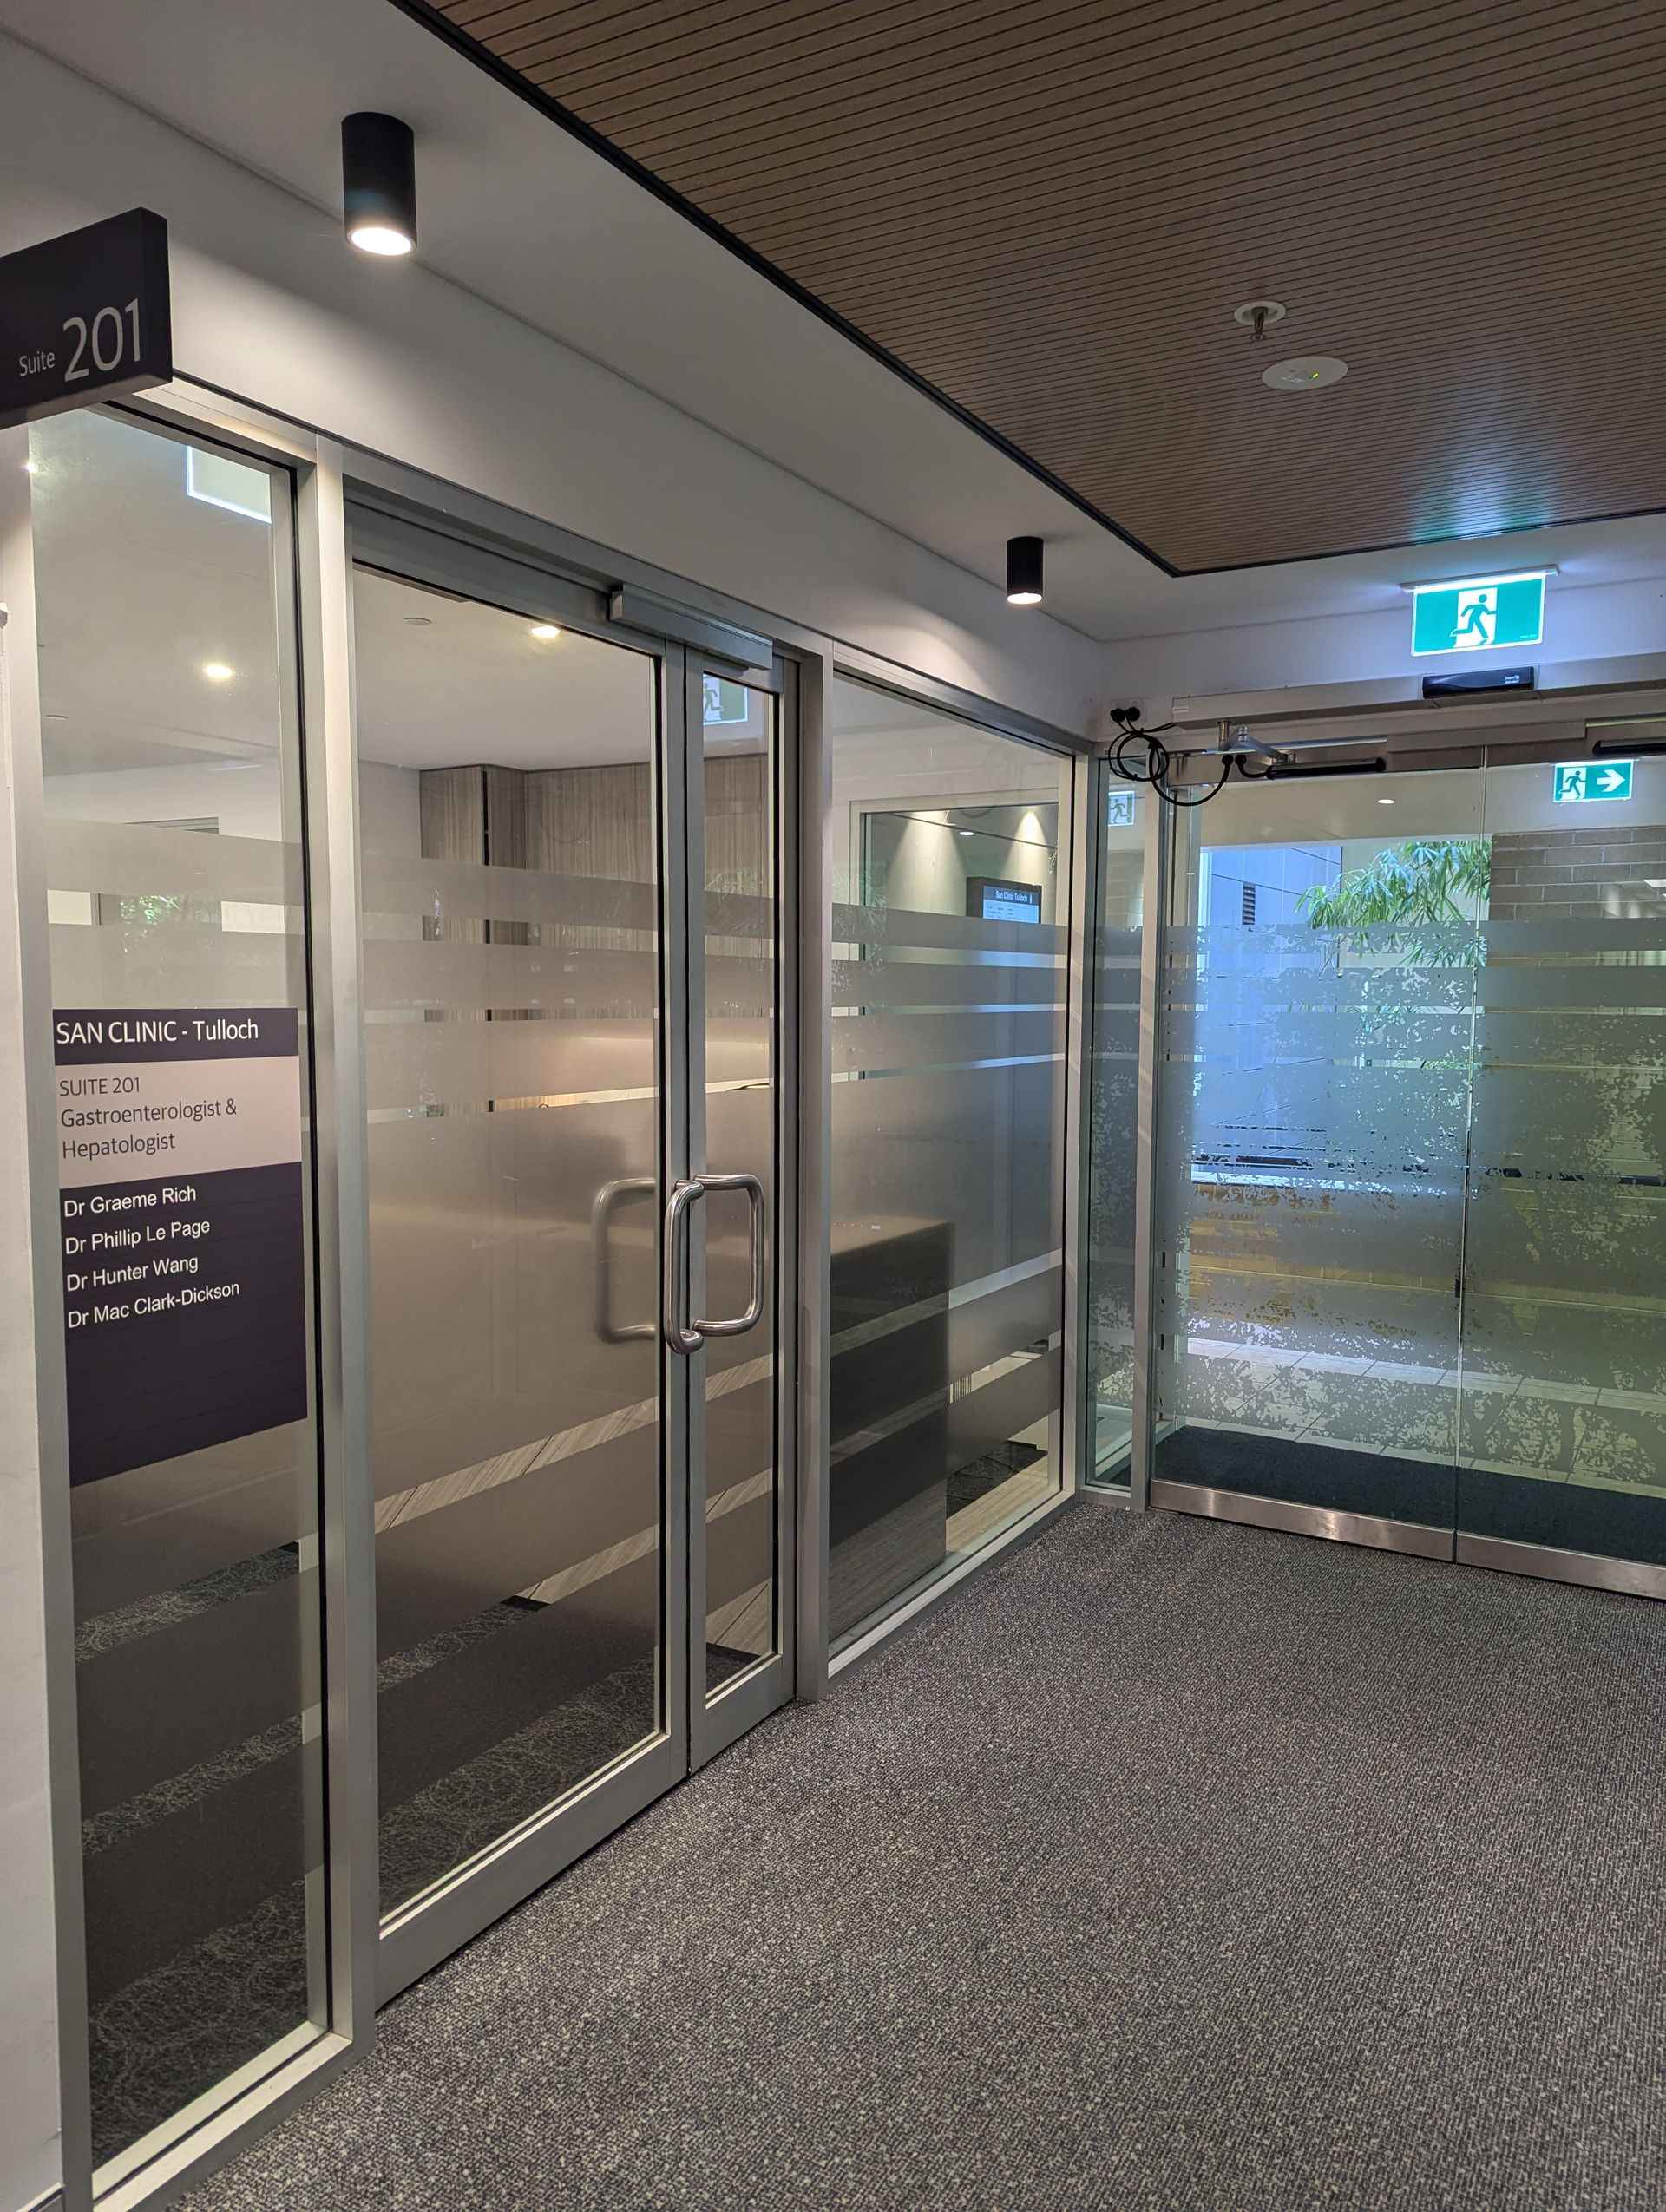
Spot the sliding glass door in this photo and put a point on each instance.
(1319, 1013)
(572, 931)
(1562, 1405)
(1409, 1282)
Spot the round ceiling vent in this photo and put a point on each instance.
(1305, 372)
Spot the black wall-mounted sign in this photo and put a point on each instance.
(990, 898)
(85, 317)
(1478, 679)
(180, 1194)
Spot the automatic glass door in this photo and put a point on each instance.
(571, 900)
(1321, 991)
(1410, 1289)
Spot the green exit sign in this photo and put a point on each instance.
(1593, 780)
(1470, 616)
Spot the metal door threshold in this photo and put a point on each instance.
(1413, 1536)
(1634, 1578)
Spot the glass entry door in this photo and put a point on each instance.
(1410, 1285)
(1319, 994)
(572, 911)
(1562, 1412)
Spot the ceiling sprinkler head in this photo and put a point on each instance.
(1256, 315)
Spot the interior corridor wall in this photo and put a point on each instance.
(271, 304)
(1613, 618)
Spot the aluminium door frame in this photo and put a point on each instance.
(716, 1721)
(465, 1901)
(398, 537)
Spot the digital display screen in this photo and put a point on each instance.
(989, 899)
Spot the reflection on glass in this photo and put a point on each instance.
(173, 796)
(741, 909)
(1563, 1419)
(1314, 1100)
(1113, 1121)
(509, 829)
(949, 928)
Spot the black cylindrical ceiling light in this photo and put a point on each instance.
(378, 183)
(1024, 571)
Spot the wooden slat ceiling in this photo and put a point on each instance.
(1049, 211)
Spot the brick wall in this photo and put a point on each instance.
(1120, 888)
(1579, 874)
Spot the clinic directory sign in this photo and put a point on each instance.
(180, 1198)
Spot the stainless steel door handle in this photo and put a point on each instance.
(602, 1212)
(676, 1335)
(754, 1312)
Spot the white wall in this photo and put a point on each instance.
(1582, 623)
(271, 303)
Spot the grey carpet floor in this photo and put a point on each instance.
(1172, 1865)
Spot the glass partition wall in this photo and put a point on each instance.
(179, 975)
(1408, 1281)
(950, 928)
(420, 1140)
(1112, 1165)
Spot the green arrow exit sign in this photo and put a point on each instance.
(1593, 780)
(1485, 611)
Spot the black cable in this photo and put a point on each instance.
(1154, 769)
(1203, 798)
(1150, 771)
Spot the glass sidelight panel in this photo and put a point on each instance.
(509, 811)
(1319, 989)
(1112, 1131)
(950, 930)
(176, 905)
(1563, 1417)
(741, 1039)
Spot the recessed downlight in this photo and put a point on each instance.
(1304, 372)
(216, 671)
(545, 631)
(1384, 802)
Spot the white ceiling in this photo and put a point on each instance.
(141, 589)
(444, 683)
(524, 215)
